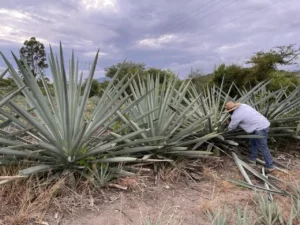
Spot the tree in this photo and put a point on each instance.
(33, 53)
(195, 73)
(283, 79)
(127, 68)
(232, 73)
(267, 62)
(140, 68)
(199, 78)
(264, 67)
(169, 74)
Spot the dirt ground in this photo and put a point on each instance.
(168, 200)
(185, 202)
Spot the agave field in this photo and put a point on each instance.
(157, 123)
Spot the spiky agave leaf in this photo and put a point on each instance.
(64, 136)
(280, 107)
(158, 108)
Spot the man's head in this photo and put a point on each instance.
(231, 106)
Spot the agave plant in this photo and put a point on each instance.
(280, 107)
(217, 216)
(158, 109)
(270, 212)
(243, 218)
(282, 110)
(62, 135)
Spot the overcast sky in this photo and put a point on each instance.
(174, 34)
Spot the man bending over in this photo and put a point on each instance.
(252, 122)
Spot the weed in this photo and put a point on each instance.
(217, 217)
(269, 211)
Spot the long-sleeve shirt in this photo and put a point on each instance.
(248, 119)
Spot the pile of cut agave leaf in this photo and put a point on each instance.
(269, 181)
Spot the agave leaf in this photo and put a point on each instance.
(204, 138)
(140, 141)
(35, 96)
(116, 160)
(11, 177)
(128, 124)
(8, 142)
(127, 136)
(231, 142)
(3, 73)
(10, 96)
(190, 153)
(96, 150)
(258, 175)
(267, 185)
(19, 133)
(241, 168)
(100, 122)
(37, 169)
(11, 118)
(136, 150)
(7, 151)
(248, 136)
(255, 187)
(34, 123)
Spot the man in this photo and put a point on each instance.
(252, 122)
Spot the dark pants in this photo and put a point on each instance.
(257, 144)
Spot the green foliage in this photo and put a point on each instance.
(281, 79)
(264, 67)
(281, 55)
(97, 88)
(8, 82)
(125, 69)
(199, 79)
(242, 77)
(34, 55)
(101, 88)
(130, 68)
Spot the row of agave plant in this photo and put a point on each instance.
(158, 121)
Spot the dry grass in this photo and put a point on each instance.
(131, 183)
(208, 205)
(226, 186)
(28, 200)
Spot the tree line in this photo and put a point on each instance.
(263, 65)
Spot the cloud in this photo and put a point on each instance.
(155, 43)
(230, 47)
(100, 5)
(181, 35)
(92, 54)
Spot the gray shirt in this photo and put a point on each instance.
(248, 119)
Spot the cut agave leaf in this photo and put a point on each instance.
(255, 187)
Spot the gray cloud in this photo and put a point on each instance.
(178, 35)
